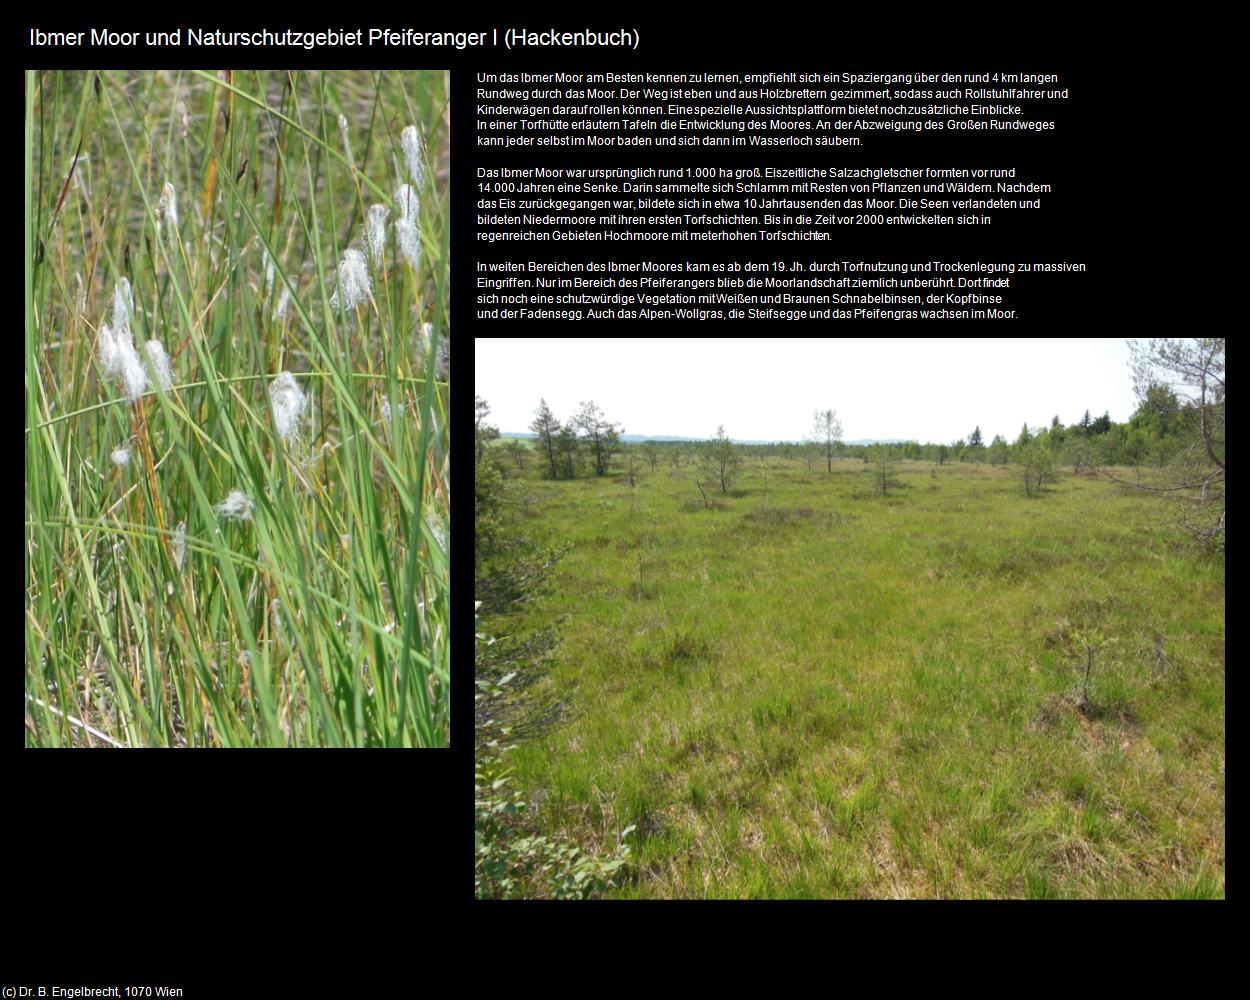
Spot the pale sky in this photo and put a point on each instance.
(931, 389)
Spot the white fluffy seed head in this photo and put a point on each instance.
(286, 399)
(410, 142)
(160, 364)
(353, 285)
(408, 201)
(121, 456)
(425, 334)
(123, 307)
(180, 543)
(236, 506)
(406, 224)
(168, 208)
(117, 345)
(120, 360)
(110, 357)
(375, 231)
(407, 241)
(132, 374)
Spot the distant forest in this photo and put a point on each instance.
(588, 443)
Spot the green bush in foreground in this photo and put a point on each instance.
(509, 863)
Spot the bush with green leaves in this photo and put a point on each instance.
(884, 468)
(1037, 467)
(509, 861)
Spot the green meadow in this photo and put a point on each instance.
(237, 391)
(812, 690)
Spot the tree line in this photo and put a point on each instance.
(588, 443)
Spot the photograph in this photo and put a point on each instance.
(832, 618)
(237, 441)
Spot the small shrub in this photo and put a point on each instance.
(511, 865)
(1089, 642)
(1037, 468)
(508, 861)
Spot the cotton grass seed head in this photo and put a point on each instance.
(286, 399)
(160, 364)
(180, 543)
(236, 507)
(375, 231)
(441, 362)
(120, 360)
(131, 373)
(110, 356)
(353, 285)
(123, 307)
(406, 225)
(121, 456)
(407, 240)
(116, 345)
(167, 210)
(407, 201)
(410, 142)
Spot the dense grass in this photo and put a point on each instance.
(151, 619)
(822, 692)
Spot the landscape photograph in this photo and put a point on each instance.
(237, 392)
(849, 619)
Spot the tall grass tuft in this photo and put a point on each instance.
(311, 605)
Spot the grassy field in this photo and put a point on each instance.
(815, 691)
(237, 450)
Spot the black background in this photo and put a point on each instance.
(352, 854)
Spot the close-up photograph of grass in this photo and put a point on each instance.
(237, 409)
(771, 660)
